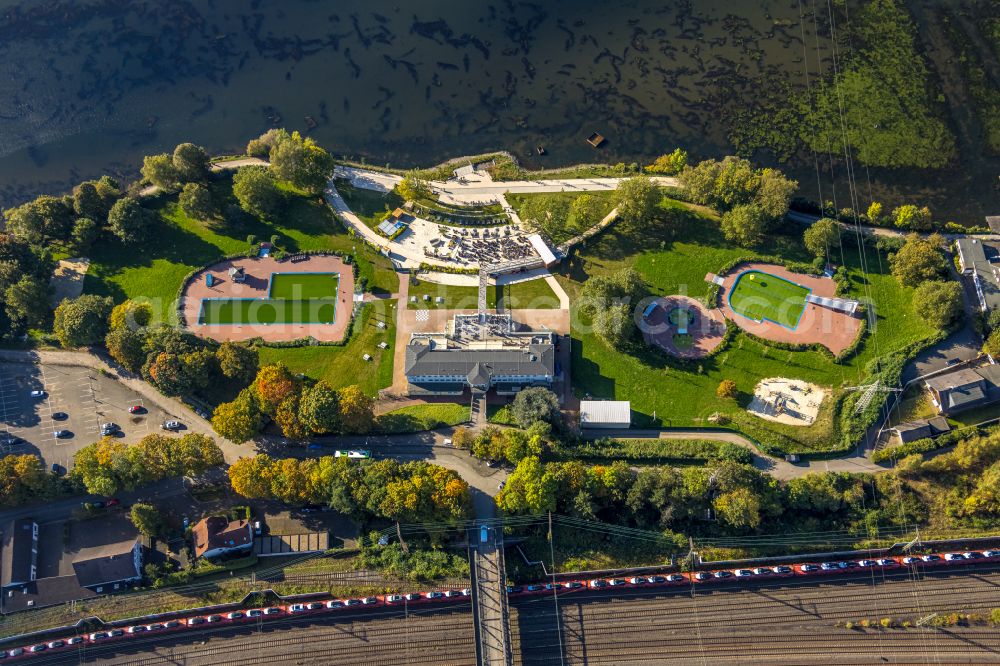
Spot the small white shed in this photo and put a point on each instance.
(605, 414)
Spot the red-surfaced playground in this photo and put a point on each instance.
(825, 319)
(241, 290)
(682, 327)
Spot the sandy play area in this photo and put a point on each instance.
(788, 401)
(67, 279)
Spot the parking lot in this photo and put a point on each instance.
(77, 400)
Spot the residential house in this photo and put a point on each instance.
(964, 389)
(19, 558)
(109, 568)
(216, 536)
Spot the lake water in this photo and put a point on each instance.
(89, 87)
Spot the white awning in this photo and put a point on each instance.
(542, 248)
(605, 413)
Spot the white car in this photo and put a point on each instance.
(742, 573)
(910, 559)
(38, 394)
(637, 580)
(433, 595)
(991, 553)
(370, 601)
(171, 425)
(598, 583)
(762, 571)
(334, 604)
(75, 640)
(885, 562)
(953, 557)
(701, 575)
(722, 574)
(192, 621)
(452, 593)
(356, 454)
(56, 644)
(137, 629)
(573, 585)
(98, 635)
(297, 608)
(465, 591)
(393, 598)
(255, 612)
(615, 582)
(674, 578)
(37, 648)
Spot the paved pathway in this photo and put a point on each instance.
(776, 466)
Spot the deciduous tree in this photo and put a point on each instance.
(239, 420)
(190, 162)
(918, 260)
(160, 171)
(822, 237)
(938, 303)
(237, 361)
(319, 408)
(130, 222)
(82, 321)
(745, 225)
(196, 201)
(535, 404)
(357, 413)
(256, 191)
(636, 199)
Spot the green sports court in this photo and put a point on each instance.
(761, 296)
(293, 298)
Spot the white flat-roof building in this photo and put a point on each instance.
(605, 413)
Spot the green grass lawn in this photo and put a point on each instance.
(758, 296)
(345, 365)
(304, 285)
(571, 227)
(216, 311)
(673, 255)
(536, 294)
(369, 205)
(179, 244)
(417, 418)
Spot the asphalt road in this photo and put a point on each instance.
(773, 622)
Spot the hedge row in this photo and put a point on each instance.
(651, 451)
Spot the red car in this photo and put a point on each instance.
(135, 409)
(112, 502)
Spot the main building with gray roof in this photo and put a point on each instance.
(504, 360)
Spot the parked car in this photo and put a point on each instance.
(573, 585)
(255, 612)
(972, 555)
(55, 644)
(57, 469)
(272, 610)
(137, 629)
(530, 588)
(615, 582)
(953, 557)
(675, 578)
(75, 640)
(192, 621)
(866, 563)
(335, 603)
(37, 648)
(808, 568)
(393, 598)
(136, 409)
(296, 608)
(114, 501)
(762, 571)
(742, 573)
(62, 434)
(109, 428)
(886, 562)
(910, 559)
(352, 602)
(637, 580)
(722, 574)
(411, 596)
(214, 618)
(59, 416)
(156, 626)
(781, 569)
(931, 558)
(38, 395)
(657, 579)
(171, 425)
(314, 605)
(991, 553)
(369, 601)
(598, 583)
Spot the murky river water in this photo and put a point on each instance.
(89, 87)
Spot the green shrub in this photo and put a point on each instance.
(651, 451)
